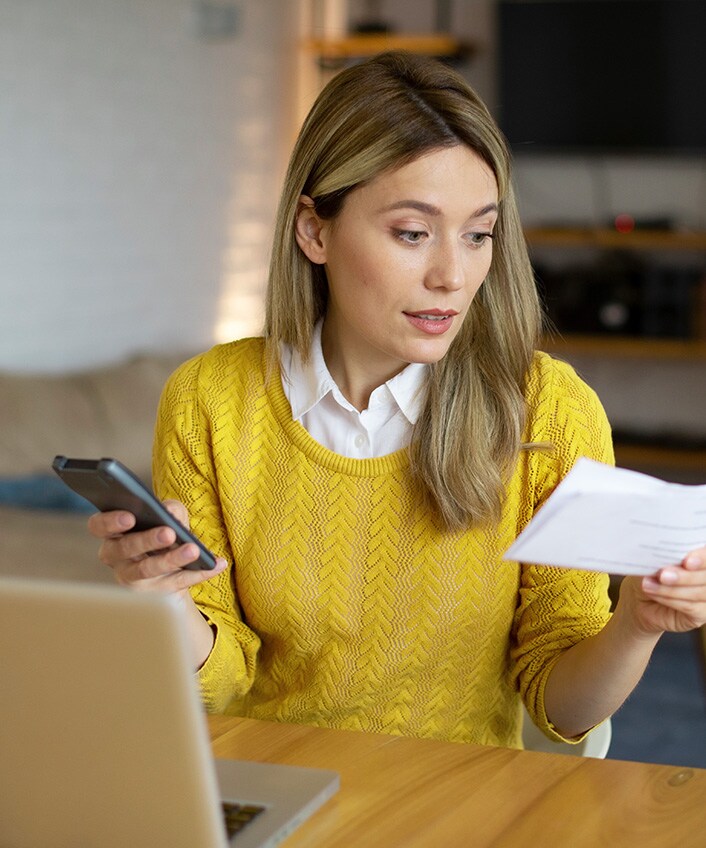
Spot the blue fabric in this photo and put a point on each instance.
(42, 491)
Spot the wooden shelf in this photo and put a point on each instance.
(654, 456)
(626, 347)
(361, 46)
(689, 462)
(635, 240)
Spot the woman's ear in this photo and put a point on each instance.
(308, 231)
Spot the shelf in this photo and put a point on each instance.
(626, 347)
(648, 456)
(689, 461)
(362, 46)
(597, 237)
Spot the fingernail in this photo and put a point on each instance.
(694, 561)
(164, 535)
(124, 520)
(668, 577)
(187, 553)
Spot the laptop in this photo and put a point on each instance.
(103, 739)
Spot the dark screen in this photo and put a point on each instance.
(603, 75)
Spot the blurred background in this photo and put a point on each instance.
(141, 155)
(143, 144)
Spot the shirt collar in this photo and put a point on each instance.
(308, 383)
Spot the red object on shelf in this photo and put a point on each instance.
(624, 223)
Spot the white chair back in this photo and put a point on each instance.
(595, 744)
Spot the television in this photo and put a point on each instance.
(603, 76)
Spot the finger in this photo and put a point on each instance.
(134, 546)
(696, 560)
(170, 581)
(677, 584)
(177, 581)
(693, 595)
(178, 510)
(155, 566)
(691, 572)
(102, 525)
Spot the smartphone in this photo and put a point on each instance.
(109, 485)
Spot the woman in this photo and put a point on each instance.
(361, 470)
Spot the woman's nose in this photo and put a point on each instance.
(446, 269)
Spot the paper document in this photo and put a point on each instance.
(610, 519)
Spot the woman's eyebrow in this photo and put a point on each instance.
(419, 205)
(430, 209)
(484, 210)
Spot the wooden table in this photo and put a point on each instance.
(409, 792)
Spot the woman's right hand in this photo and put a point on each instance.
(148, 559)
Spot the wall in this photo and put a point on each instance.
(140, 163)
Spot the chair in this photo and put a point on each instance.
(595, 744)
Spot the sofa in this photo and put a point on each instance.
(107, 411)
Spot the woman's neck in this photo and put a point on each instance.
(356, 378)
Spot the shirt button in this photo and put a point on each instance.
(360, 441)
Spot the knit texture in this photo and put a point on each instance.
(346, 604)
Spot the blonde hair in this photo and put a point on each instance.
(379, 115)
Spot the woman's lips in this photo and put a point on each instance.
(433, 322)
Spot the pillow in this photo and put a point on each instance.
(42, 491)
(106, 411)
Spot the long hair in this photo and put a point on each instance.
(376, 116)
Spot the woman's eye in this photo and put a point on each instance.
(478, 239)
(410, 236)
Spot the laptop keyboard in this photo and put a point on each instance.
(237, 816)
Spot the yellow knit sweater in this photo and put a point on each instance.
(346, 604)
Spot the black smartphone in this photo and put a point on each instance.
(109, 485)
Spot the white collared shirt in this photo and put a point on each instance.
(319, 406)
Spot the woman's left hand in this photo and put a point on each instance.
(673, 599)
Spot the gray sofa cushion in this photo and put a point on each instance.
(105, 412)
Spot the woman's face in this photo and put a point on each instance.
(404, 259)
